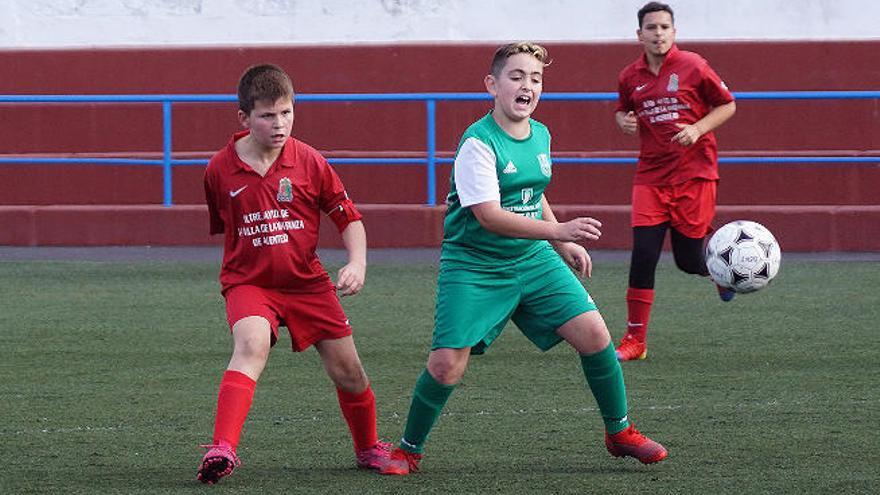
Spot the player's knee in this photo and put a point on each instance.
(252, 349)
(691, 266)
(447, 371)
(349, 376)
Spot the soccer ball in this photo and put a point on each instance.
(743, 256)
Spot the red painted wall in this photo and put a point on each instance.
(849, 127)
(745, 66)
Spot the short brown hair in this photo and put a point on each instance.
(262, 82)
(506, 51)
(654, 7)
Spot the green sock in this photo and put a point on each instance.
(428, 400)
(605, 378)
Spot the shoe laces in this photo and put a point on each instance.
(632, 435)
(380, 449)
(403, 455)
(226, 450)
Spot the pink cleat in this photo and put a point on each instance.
(374, 457)
(630, 442)
(219, 461)
(401, 463)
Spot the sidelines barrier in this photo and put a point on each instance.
(844, 226)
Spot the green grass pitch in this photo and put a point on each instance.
(109, 374)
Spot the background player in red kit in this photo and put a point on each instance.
(674, 100)
(265, 192)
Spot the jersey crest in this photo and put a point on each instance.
(285, 190)
(546, 167)
(672, 87)
(527, 193)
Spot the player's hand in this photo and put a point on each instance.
(578, 230)
(688, 134)
(350, 279)
(576, 257)
(628, 123)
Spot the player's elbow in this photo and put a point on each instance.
(490, 223)
(729, 109)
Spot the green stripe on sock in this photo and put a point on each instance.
(428, 400)
(605, 378)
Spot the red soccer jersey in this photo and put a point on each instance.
(684, 91)
(271, 223)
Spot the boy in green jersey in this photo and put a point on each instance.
(496, 264)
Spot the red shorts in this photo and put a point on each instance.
(689, 207)
(309, 318)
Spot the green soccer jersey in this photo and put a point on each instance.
(492, 165)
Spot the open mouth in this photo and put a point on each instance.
(523, 99)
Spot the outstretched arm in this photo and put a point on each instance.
(350, 279)
(496, 219)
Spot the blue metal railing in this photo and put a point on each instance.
(430, 99)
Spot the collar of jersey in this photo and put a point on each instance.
(283, 160)
(642, 63)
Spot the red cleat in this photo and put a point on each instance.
(401, 463)
(219, 461)
(375, 457)
(631, 349)
(630, 442)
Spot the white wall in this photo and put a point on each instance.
(92, 23)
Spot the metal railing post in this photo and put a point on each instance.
(431, 107)
(166, 154)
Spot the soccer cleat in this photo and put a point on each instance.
(631, 349)
(374, 457)
(219, 461)
(630, 442)
(724, 293)
(401, 463)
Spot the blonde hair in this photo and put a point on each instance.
(506, 51)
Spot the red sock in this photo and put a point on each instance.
(638, 305)
(359, 410)
(233, 403)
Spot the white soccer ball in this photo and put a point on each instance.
(743, 256)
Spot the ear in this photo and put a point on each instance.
(489, 81)
(244, 119)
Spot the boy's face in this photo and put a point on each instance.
(517, 88)
(270, 123)
(657, 33)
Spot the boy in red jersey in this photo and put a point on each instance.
(674, 100)
(266, 191)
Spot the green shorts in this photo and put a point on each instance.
(475, 301)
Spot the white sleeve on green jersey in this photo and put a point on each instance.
(476, 178)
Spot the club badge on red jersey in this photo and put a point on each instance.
(672, 87)
(285, 190)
